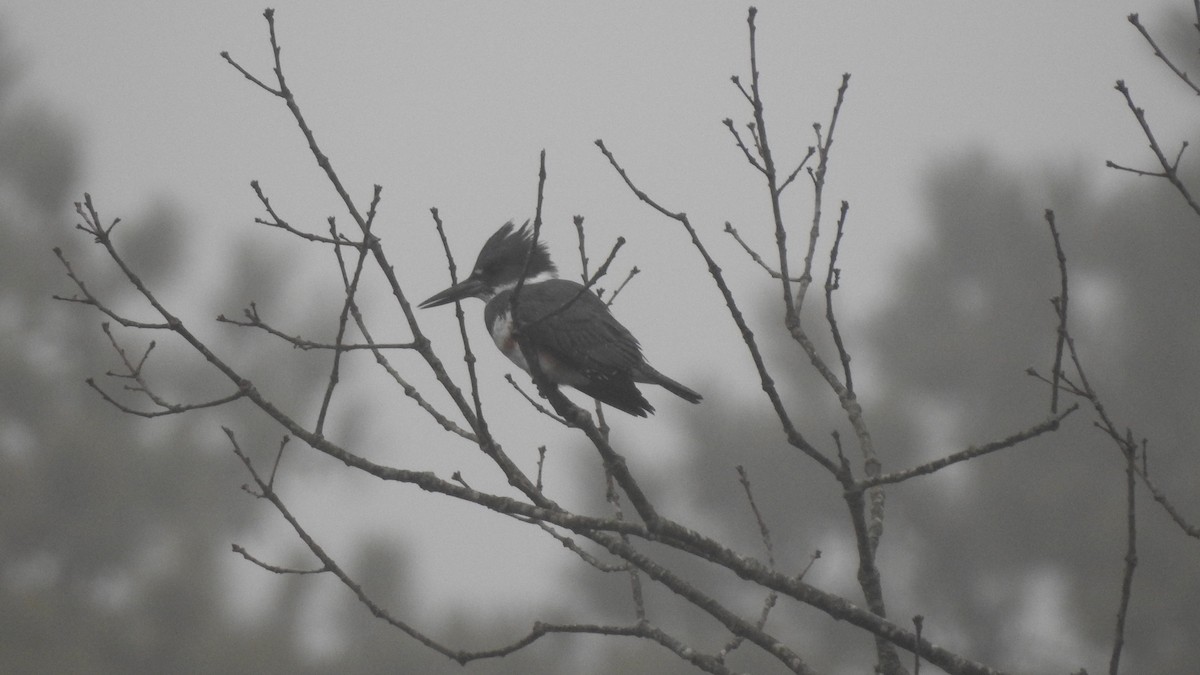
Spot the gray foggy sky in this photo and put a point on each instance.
(447, 104)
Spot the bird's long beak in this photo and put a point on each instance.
(467, 288)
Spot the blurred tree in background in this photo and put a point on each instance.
(1033, 534)
(115, 530)
(112, 528)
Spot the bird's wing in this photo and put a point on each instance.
(582, 331)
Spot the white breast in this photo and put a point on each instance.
(501, 329)
(554, 371)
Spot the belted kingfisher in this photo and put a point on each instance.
(577, 340)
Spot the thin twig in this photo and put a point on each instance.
(533, 402)
(918, 625)
(1060, 308)
(832, 282)
(167, 409)
(768, 383)
(461, 317)
(635, 578)
(266, 491)
(282, 224)
(1130, 450)
(732, 231)
(541, 463)
(594, 562)
(1049, 424)
(88, 298)
(867, 532)
(765, 535)
(1161, 497)
(1133, 19)
(133, 372)
(350, 284)
(737, 138)
(583, 259)
(275, 569)
(808, 154)
(824, 143)
(633, 272)
(768, 161)
(1169, 169)
(254, 320)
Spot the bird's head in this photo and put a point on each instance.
(500, 264)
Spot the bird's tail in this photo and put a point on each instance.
(652, 376)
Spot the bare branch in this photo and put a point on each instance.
(424, 348)
(1060, 307)
(275, 569)
(89, 299)
(768, 162)
(282, 224)
(633, 272)
(1133, 19)
(732, 621)
(533, 402)
(737, 82)
(1130, 449)
(752, 253)
(1161, 497)
(254, 320)
(635, 579)
(327, 562)
(832, 283)
(583, 259)
(1049, 424)
(737, 138)
(918, 625)
(793, 435)
(461, 317)
(867, 534)
(245, 73)
(799, 167)
(818, 179)
(350, 284)
(166, 408)
(765, 533)
(1169, 169)
(569, 544)
(134, 372)
(642, 630)
(540, 464)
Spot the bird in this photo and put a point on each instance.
(577, 340)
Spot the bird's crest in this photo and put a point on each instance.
(503, 256)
